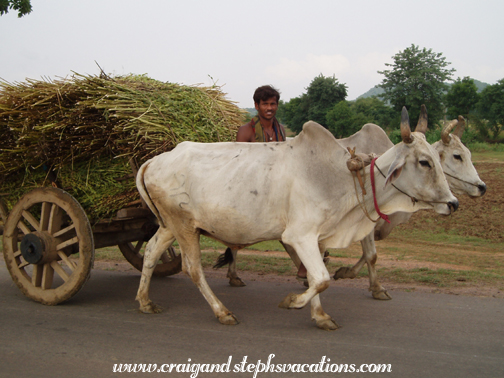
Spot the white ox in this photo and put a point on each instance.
(457, 166)
(306, 196)
(456, 163)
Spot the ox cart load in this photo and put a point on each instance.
(69, 151)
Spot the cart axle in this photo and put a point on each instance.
(38, 248)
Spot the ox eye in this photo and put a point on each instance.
(425, 163)
(457, 157)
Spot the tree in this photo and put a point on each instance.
(342, 121)
(417, 77)
(22, 6)
(339, 120)
(322, 94)
(491, 107)
(293, 113)
(346, 118)
(462, 98)
(377, 112)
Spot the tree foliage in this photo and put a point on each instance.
(340, 120)
(322, 94)
(346, 118)
(462, 98)
(417, 77)
(23, 7)
(491, 107)
(377, 112)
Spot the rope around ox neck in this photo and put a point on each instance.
(373, 186)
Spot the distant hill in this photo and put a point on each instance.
(252, 111)
(377, 90)
(480, 85)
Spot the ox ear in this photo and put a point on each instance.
(395, 170)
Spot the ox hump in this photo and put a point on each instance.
(317, 136)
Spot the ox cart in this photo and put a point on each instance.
(49, 243)
(84, 130)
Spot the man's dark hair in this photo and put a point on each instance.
(264, 93)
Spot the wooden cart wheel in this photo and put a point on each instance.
(169, 264)
(48, 245)
(4, 213)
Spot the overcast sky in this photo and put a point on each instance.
(244, 44)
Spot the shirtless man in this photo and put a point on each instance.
(264, 127)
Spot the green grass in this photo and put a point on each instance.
(437, 235)
(442, 277)
(486, 151)
(255, 263)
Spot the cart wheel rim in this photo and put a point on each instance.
(60, 219)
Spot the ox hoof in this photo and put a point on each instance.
(344, 272)
(236, 282)
(289, 302)
(381, 295)
(151, 308)
(228, 319)
(327, 324)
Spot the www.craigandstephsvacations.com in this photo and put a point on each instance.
(194, 369)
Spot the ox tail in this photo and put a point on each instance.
(142, 189)
(224, 259)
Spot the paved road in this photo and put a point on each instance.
(420, 335)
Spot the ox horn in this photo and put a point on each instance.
(445, 134)
(405, 127)
(459, 130)
(422, 120)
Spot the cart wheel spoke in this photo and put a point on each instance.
(31, 220)
(66, 260)
(60, 271)
(139, 246)
(44, 215)
(165, 257)
(43, 229)
(172, 252)
(170, 262)
(47, 276)
(24, 228)
(63, 231)
(37, 275)
(68, 243)
(22, 263)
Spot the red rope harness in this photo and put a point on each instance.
(382, 216)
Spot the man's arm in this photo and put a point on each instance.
(245, 133)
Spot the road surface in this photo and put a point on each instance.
(417, 334)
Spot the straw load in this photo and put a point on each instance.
(81, 133)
